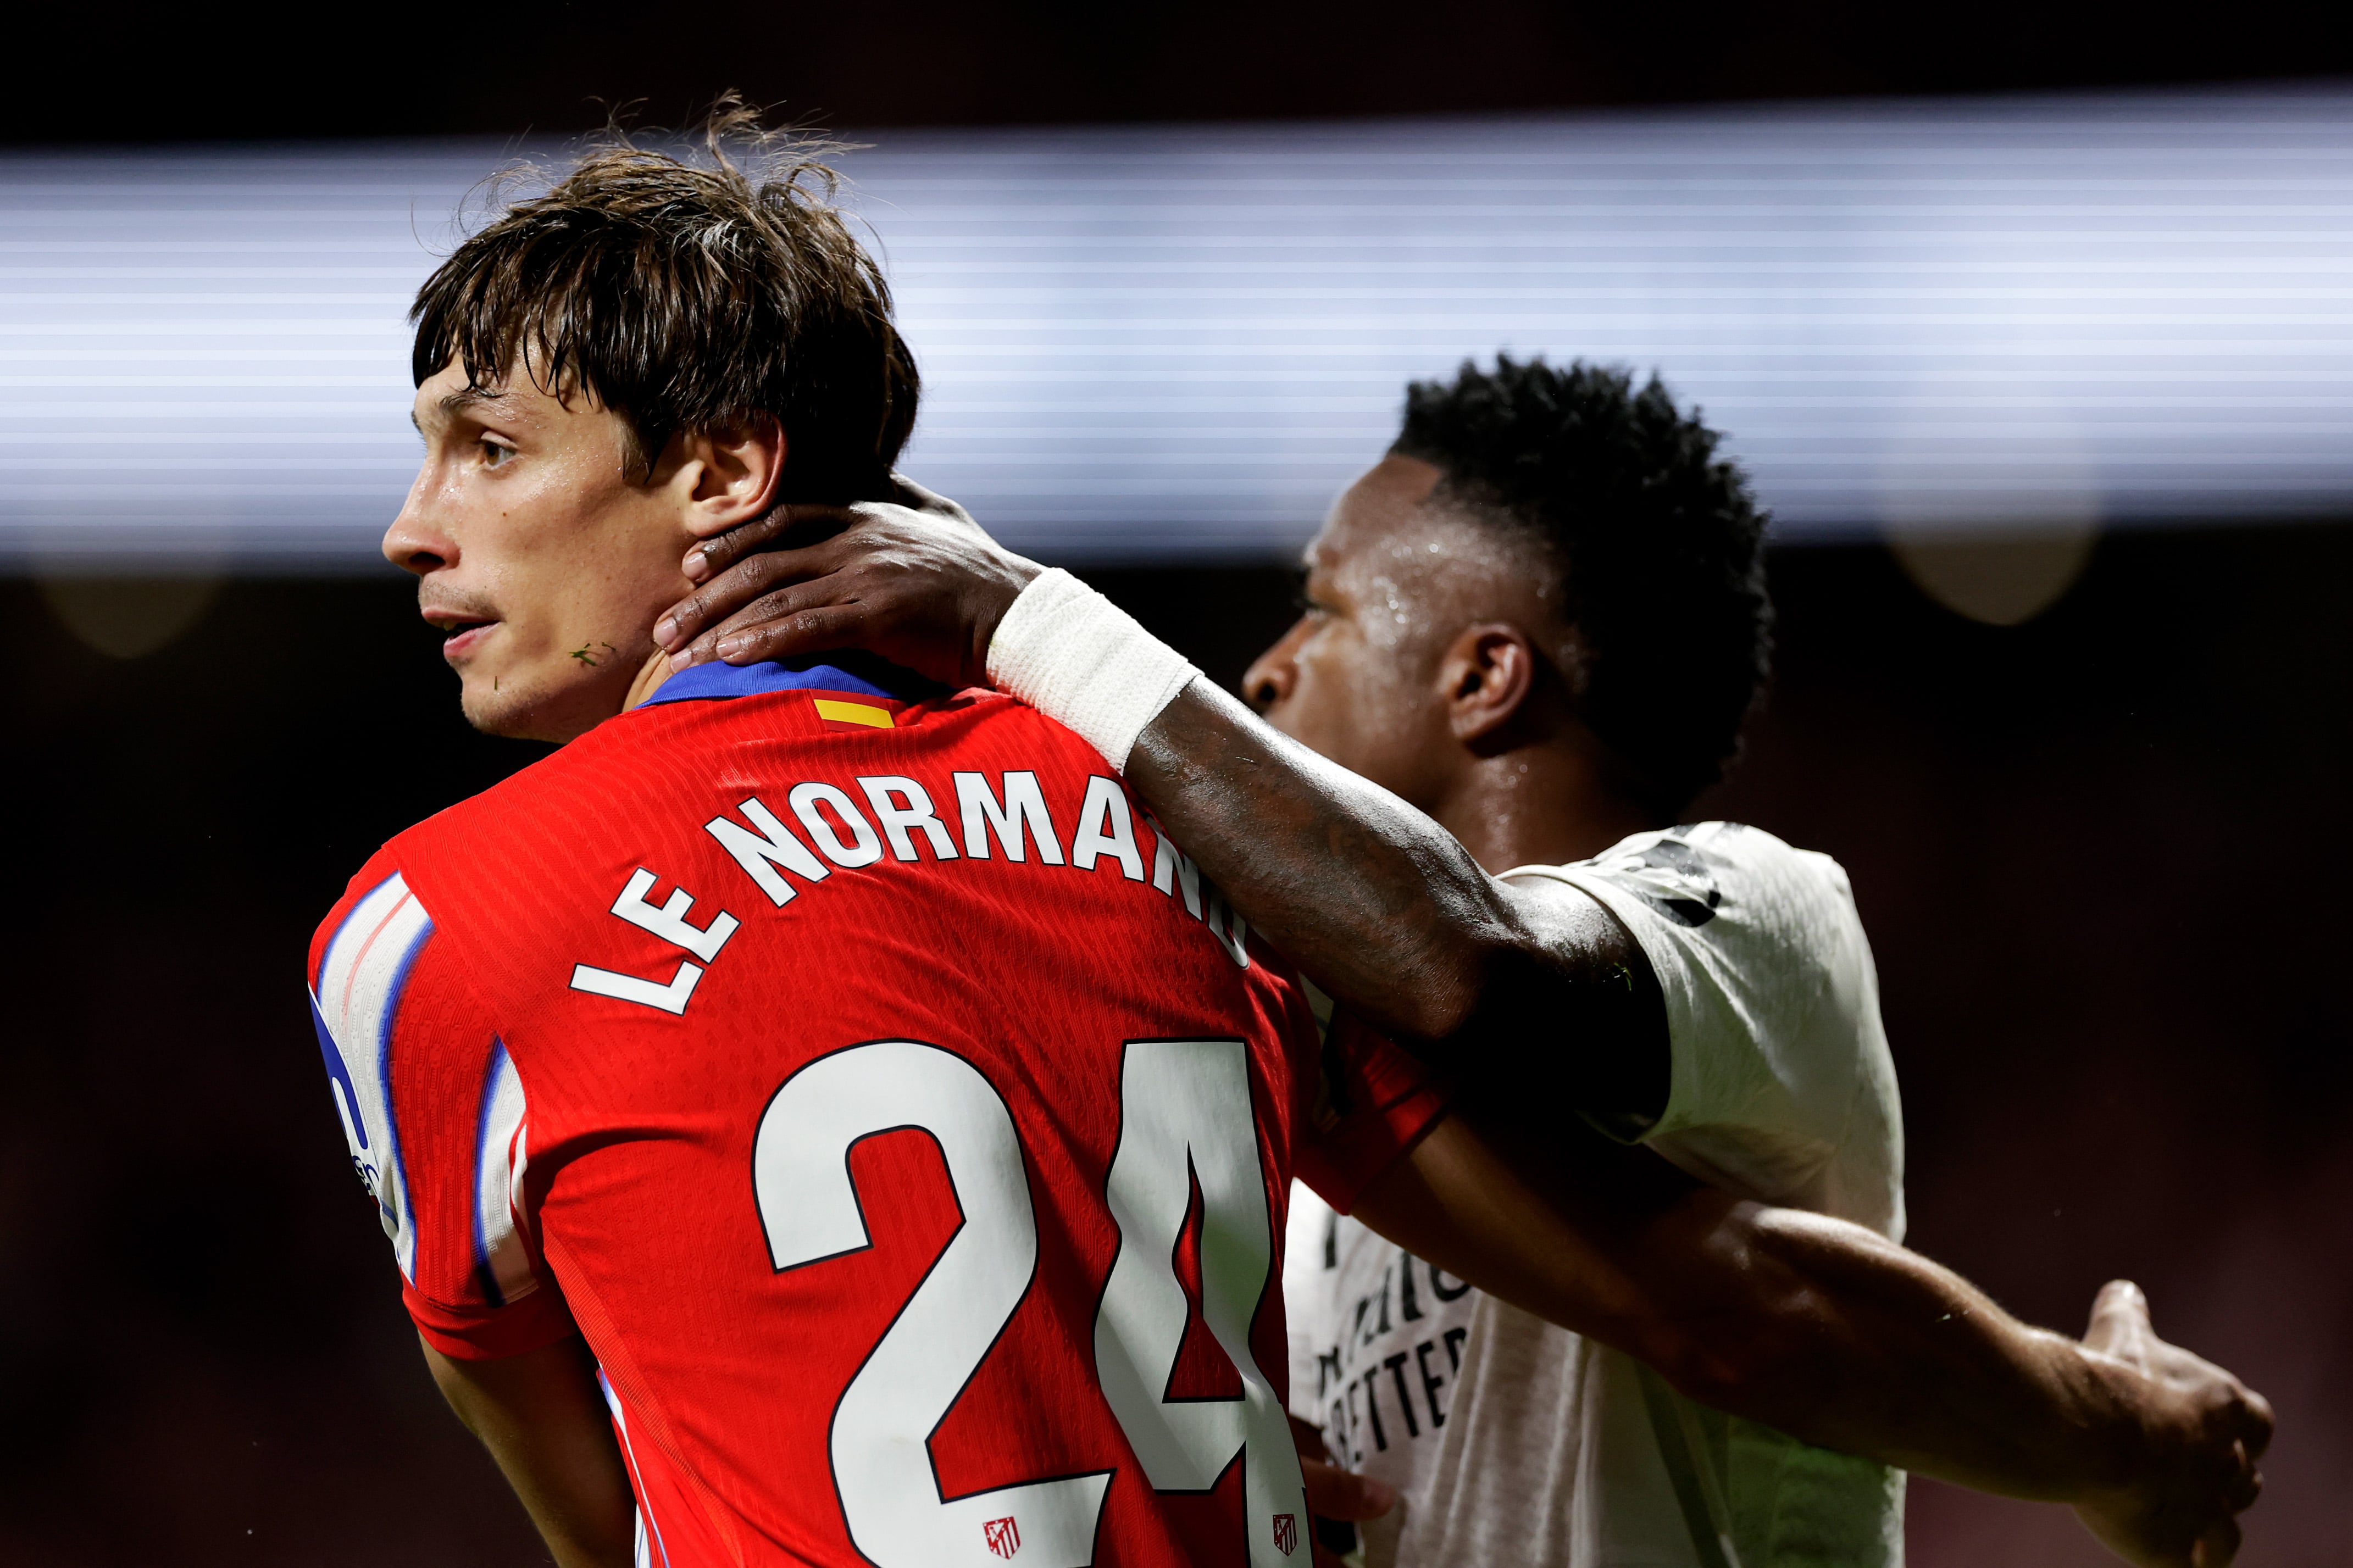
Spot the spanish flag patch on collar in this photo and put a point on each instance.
(862, 713)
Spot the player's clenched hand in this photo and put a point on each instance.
(2203, 1431)
(1334, 1493)
(914, 580)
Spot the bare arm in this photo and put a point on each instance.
(1829, 1332)
(1809, 1325)
(543, 1418)
(1384, 907)
(1381, 905)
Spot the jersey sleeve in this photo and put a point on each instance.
(434, 1117)
(1373, 1102)
(1771, 999)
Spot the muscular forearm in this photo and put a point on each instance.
(1885, 1353)
(1379, 903)
(1817, 1328)
(1389, 913)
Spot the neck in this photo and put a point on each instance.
(1537, 805)
(650, 674)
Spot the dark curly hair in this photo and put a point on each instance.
(1658, 543)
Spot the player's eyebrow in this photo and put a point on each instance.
(455, 403)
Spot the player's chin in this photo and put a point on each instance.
(513, 714)
(538, 704)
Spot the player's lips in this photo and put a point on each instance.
(462, 633)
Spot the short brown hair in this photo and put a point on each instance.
(685, 296)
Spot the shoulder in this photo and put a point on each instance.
(534, 850)
(1709, 875)
(1701, 874)
(1756, 945)
(1782, 1086)
(394, 898)
(379, 915)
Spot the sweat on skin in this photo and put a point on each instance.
(545, 559)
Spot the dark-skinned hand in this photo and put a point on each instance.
(1334, 1493)
(2199, 1471)
(914, 580)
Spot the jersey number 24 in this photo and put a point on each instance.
(1184, 1115)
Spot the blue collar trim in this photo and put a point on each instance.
(717, 681)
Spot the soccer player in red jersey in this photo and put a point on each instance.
(855, 1067)
(898, 1118)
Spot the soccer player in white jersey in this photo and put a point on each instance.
(1559, 689)
(1540, 620)
(1499, 1430)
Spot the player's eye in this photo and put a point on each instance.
(495, 452)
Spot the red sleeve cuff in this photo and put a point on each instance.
(488, 1334)
(1376, 1102)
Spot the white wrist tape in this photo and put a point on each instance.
(1076, 656)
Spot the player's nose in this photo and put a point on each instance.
(1270, 678)
(415, 542)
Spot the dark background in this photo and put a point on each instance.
(149, 72)
(2100, 854)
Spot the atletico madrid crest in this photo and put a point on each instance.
(1003, 1536)
(1286, 1533)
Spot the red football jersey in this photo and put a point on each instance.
(900, 1116)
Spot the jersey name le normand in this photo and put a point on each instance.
(901, 1119)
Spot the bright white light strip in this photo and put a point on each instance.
(1155, 343)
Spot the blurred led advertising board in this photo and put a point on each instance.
(1178, 343)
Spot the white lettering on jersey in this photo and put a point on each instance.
(670, 998)
(360, 985)
(1106, 827)
(1173, 868)
(1024, 805)
(1186, 1118)
(1185, 1122)
(1225, 923)
(1015, 811)
(897, 818)
(668, 923)
(761, 853)
(890, 1495)
(865, 848)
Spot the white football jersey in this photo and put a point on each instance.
(1514, 1441)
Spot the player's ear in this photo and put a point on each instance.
(1486, 676)
(728, 474)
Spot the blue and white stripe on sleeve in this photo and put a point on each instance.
(500, 1157)
(361, 982)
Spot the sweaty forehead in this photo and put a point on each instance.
(445, 394)
(1390, 525)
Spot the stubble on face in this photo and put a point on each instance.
(540, 553)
